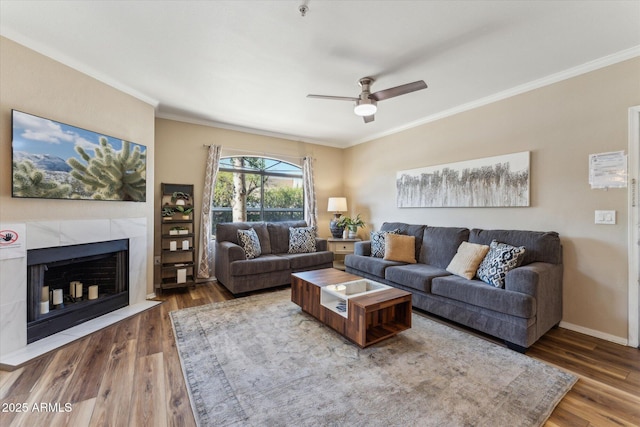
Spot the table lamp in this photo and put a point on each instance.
(336, 205)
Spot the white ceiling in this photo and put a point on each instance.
(249, 65)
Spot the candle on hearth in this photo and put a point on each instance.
(45, 294)
(73, 289)
(57, 296)
(44, 307)
(93, 292)
(173, 245)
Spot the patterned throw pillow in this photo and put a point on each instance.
(377, 242)
(500, 259)
(250, 243)
(302, 240)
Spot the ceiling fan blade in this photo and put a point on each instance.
(398, 90)
(368, 119)
(337, 98)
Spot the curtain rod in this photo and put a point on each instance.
(263, 153)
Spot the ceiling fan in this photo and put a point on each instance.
(366, 103)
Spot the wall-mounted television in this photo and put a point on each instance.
(53, 160)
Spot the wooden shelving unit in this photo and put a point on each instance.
(177, 237)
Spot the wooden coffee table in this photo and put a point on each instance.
(366, 318)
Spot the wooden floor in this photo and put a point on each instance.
(129, 374)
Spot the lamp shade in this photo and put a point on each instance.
(337, 204)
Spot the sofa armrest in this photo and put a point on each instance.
(321, 244)
(226, 253)
(362, 248)
(543, 281)
(527, 279)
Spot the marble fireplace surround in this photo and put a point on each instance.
(14, 350)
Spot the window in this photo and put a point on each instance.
(257, 189)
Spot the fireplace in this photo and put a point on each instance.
(69, 285)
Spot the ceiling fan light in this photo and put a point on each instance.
(365, 108)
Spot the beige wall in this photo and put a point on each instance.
(560, 125)
(38, 85)
(181, 159)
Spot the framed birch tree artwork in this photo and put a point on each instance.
(499, 181)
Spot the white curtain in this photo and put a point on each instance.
(310, 207)
(206, 245)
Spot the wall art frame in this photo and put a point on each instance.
(54, 160)
(498, 181)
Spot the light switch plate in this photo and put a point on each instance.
(605, 217)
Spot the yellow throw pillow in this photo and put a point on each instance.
(398, 247)
(466, 261)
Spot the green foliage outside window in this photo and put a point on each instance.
(257, 189)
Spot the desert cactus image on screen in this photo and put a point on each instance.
(110, 174)
(58, 161)
(29, 181)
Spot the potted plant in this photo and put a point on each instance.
(184, 211)
(167, 212)
(179, 198)
(351, 224)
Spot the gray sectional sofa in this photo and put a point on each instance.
(273, 267)
(520, 313)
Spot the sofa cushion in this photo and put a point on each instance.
(540, 246)
(401, 248)
(415, 276)
(500, 259)
(480, 294)
(279, 235)
(302, 240)
(262, 264)
(408, 229)
(377, 242)
(306, 260)
(228, 232)
(250, 243)
(372, 265)
(440, 244)
(466, 261)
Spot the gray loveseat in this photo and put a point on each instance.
(273, 267)
(520, 313)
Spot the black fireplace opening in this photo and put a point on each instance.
(69, 285)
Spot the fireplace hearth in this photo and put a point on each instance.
(69, 285)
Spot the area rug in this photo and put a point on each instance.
(261, 361)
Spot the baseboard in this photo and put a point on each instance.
(594, 333)
(151, 295)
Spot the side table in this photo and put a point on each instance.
(340, 248)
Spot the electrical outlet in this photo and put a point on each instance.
(156, 260)
(605, 217)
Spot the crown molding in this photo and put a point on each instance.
(60, 57)
(527, 87)
(237, 128)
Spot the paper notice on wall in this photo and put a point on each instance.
(13, 241)
(608, 170)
